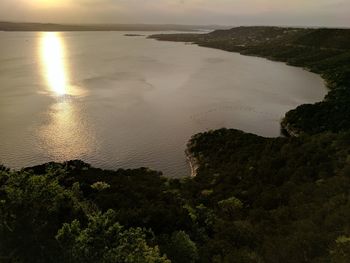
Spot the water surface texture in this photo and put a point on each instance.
(125, 102)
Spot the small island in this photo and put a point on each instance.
(134, 35)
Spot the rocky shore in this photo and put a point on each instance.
(193, 162)
(288, 131)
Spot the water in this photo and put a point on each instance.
(125, 102)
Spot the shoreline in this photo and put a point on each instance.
(284, 125)
(194, 164)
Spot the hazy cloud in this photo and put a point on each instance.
(232, 12)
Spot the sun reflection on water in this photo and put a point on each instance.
(66, 135)
(53, 59)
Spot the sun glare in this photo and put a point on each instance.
(54, 68)
(49, 3)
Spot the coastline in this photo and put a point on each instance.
(288, 130)
(286, 127)
(193, 162)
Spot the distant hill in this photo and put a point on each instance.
(13, 26)
(235, 38)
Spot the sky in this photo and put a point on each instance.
(330, 13)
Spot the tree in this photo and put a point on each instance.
(32, 209)
(106, 241)
(341, 251)
(231, 206)
(181, 249)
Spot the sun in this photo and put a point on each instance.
(50, 3)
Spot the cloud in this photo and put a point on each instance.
(233, 12)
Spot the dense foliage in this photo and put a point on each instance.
(46, 215)
(289, 195)
(254, 199)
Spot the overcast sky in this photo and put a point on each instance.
(225, 12)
